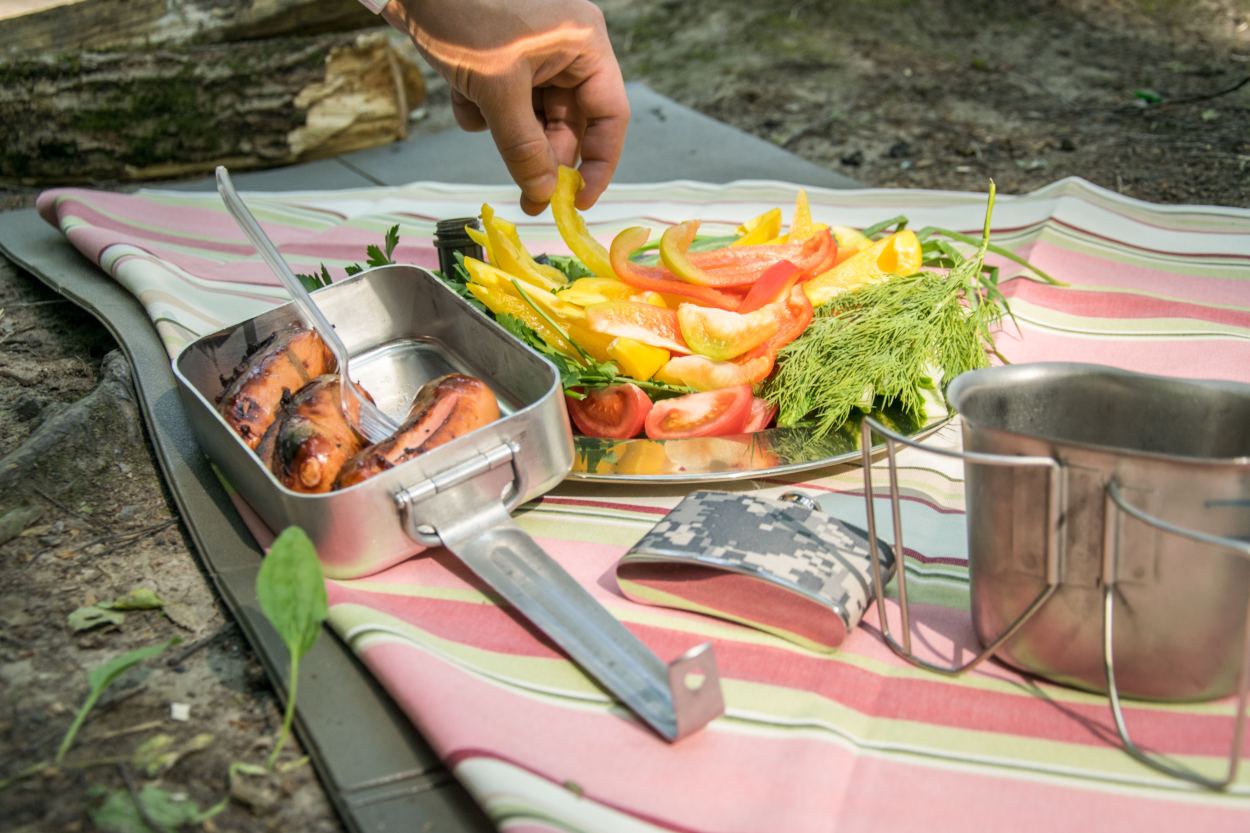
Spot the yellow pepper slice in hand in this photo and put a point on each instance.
(899, 254)
(573, 228)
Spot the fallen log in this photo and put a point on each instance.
(181, 110)
(63, 25)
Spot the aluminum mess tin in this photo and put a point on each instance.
(1143, 521)
(403, 328)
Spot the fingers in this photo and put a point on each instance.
(467, 114)
(563, 123)
(509, 113)
(603, 104)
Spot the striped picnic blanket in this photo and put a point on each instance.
(854, 740)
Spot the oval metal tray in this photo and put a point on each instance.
(775, 451)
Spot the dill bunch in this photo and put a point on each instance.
(883, 344)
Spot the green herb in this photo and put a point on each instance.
(569, 265)
(881, 345)
(458, 282)
(376, 257)
(292, 595)
(100, 678)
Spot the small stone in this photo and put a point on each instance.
(853, 159)
(1067, 145)
(180, 712)
(899, 150)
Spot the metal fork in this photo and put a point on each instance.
(373, 424)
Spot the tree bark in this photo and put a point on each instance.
(175, 111)
(112, 24)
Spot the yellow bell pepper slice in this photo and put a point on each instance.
(801, 224)
(637, 360)
(509, 230)
(849, 240)
(495, 278)
(481, 238)
(511, 257)
(759, 229)
(896, 255)
(572, 227)
(501, 303)
(587, 291)
(651, 297)
(596, 344)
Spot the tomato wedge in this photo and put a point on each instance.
(617, 412)
(709, 414)
(660, 280)
(720, 334)
(762, 413)
(775, 282)
(647, 323)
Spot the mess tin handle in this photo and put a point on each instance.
(467, 509)
(1117, 505)
(1055, 500)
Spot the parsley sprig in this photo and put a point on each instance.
(376, 257)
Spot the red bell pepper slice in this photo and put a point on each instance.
(660, 280)
(773, 284)
(742, 265)
(795, 314)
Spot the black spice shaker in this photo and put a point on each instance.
(450, 237)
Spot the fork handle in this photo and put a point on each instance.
(243, 216)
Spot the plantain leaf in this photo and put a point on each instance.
(291, 590)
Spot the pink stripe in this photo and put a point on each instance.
(933, 700)
(1192, 358)
(1124, 306)
(1229, 287)
(754, 782)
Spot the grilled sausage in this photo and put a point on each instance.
(310, 439)
(284, 364)
(444, 409)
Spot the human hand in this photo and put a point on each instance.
(539, 74)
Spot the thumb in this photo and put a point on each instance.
(522, 143)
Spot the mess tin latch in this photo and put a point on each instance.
(483, 470)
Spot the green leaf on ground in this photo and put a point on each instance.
(93, 616)
(100, 678)
(140, 598)
(168, 811)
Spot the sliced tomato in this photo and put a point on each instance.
(660, 280)
(617, 412)
(720, 334)
(762, 413)
(776, 280)
(709, 414)
(702, 373)
(646, 323)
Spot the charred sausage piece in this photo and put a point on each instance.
(444, 409)
(311, 439)
(284, 365)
